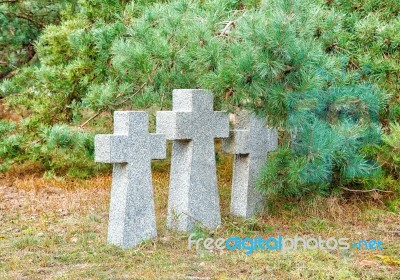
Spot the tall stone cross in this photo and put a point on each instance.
(193, 125)
(131, 149)
(250, 142)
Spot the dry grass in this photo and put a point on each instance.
(55, 229)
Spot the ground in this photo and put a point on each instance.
(56, 229)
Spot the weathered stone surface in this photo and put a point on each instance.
(131, 149)
(193, 125)
(250, 142)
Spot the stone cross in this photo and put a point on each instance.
(249, 142)
(131, 149)
(193, 125)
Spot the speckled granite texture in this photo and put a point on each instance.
(131, 149)
(250, 142)
(193, 125)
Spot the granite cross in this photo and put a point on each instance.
(131, 149)
(250, 142)
(193, 125)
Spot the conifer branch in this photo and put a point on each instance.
(119, 104)
(36, 24)
(126, 99)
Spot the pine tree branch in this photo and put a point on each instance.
(31, 58)
(36, 24)
(128, 98)
(119, 104)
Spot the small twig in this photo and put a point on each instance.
(366, 191)
(119, 104)
(229, 25)
(11, 95)
(91, 118)
(37, 141)
(126, 99)
(340, 48)
(36, 24)
(8, 1)
(130, 97)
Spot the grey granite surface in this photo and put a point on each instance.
(193, 125)
(131, 149)
(250, 142)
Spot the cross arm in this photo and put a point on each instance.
(157, 146)
(220, 125)
(175, 125)
(237, 143)
(110, 148)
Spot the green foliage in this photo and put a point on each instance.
(280, 176)
(137, 58)
(108, 55)
(269, 56)
(389, 152)
(182, 44)
(393, 205)
(9, 143)
(55, 152)
(20, 24)
(331, 131)
(330, 128)
(61, 150)
(368, 36)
